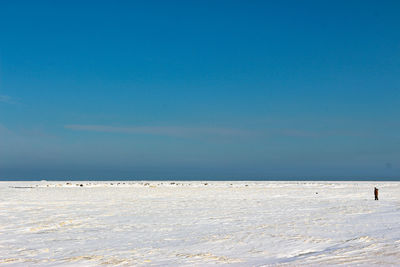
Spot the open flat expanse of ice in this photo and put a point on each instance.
(199, 223)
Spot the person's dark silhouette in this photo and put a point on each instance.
(376, 192)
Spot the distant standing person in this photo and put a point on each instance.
(376, 192)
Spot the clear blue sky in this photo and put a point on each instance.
(200, 89)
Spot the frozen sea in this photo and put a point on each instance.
(199, 223)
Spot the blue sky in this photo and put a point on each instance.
(199, 89)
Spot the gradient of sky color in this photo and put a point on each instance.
(199, 89)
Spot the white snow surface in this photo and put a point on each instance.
(199, 223)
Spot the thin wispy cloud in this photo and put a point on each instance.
(3, 129)
(322, 134)
(300, 133)
(182, 131)
(7, 99)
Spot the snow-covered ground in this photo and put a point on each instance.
(199, 223)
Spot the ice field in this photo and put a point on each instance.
(199, 223)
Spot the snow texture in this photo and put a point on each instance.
(199, 223)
